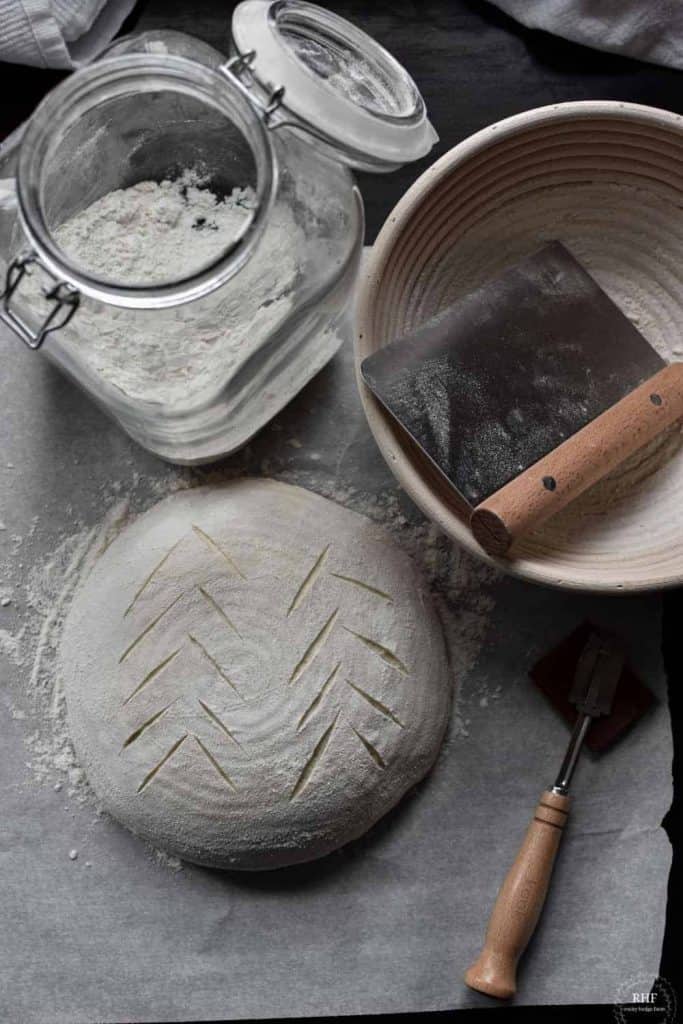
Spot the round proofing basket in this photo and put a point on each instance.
(606, 179)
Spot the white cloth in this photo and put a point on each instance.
(650, 30)
(58, 33)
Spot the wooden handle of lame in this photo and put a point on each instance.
(520, 901)
(580, 461)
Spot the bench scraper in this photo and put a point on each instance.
(527, 391)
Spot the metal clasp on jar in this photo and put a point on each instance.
(239, 70)
(64, 296)
(235, 68)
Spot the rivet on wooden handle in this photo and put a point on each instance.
(583, 459)
(520, 901)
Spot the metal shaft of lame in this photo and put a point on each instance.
(564, 776)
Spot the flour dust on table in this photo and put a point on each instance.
(253, 675)
(46, 591)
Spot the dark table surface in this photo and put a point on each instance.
(474, 65)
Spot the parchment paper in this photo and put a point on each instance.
(391, 922)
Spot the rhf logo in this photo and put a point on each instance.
(645, 1002)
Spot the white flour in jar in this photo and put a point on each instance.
(153, 233)
(156, 232)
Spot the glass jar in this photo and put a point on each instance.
(183, 231)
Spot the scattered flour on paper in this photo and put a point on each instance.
(48, 591)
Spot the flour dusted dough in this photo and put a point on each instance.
(254, 675)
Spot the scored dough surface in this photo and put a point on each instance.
(254, 675)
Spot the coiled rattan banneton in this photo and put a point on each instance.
(606, 179)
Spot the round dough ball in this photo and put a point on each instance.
(254, 675)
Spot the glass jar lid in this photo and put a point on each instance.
(334, 80)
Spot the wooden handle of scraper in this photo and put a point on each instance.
(580, 461)
(520, 901)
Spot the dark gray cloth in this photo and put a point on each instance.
(650, 30)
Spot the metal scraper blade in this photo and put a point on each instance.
(598, 672)
(511, 371)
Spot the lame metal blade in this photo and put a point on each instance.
(598, 671)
